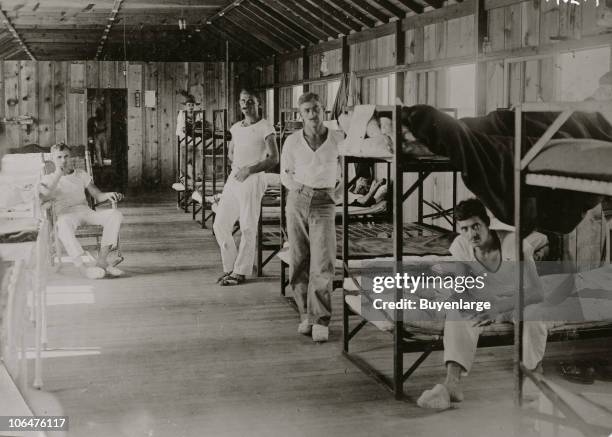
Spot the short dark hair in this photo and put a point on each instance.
(308, 97)
(250, 91)
(189, 99)
(471, 208)
(60, 147)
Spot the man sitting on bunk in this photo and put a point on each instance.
(252, 151)
(66, 186)
(188, 127)
(482, 251)
(309, 170)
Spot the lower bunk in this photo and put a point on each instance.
(584, 313)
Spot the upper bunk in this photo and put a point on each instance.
(576, 164)
(367, 142)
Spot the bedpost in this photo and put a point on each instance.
(518, 323)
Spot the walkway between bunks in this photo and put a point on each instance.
(164, 351)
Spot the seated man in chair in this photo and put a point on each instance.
(66, 186)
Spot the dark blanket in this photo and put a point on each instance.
(482, 148)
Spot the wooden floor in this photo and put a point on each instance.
(164, 351)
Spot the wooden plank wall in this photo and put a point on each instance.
(330, 61)
(54, 94)
(374, 53)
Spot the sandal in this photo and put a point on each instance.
(577, 371)
(223, 276)
(230, 280)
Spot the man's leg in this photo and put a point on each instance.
(99, 144)
(110, 220)
(66, 227)
(225, 217)
(299, 253)
(322, 228)
(460, 342)
(251, 192)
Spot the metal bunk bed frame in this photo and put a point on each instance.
(572, 418)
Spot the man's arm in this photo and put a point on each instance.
(287, 169)
(269, 162)
(49, 184)
(99, 196)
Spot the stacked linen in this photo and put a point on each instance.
(367, 135)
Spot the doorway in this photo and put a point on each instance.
(107, 137)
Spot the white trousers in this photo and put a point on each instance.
(239, 201)
(461, 339)
(68, 222)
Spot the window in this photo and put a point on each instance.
(379, 90)
(270, 104)
(332, 91)
(579, 72)
(462, 89)
(296, 92)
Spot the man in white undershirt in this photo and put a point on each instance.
(66, 187)
(309, 170)
(252, 151)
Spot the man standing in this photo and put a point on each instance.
(309, 170)
(252, 151)
(66, 186)
(96, 131)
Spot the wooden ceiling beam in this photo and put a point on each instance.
(237, 22)
(388, 6)
(111, 20)
(276, 20)
(346, 7)
(284, 9)
(18, 38)
(437, 4)
(259, 31)
(239, 42)
(231, 29)
(376, 13)
(260, 19)
(416, 7)
(306, 14)
(290, 19)
(332, 14)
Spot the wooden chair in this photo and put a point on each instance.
(81, 160)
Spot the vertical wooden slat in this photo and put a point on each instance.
(92, 74)
(76, 110)
(532, 76)
(77, 75)
(496, 29)
(513, 26)
(61, 86)
(495, 85)
(530, 24)
(46, 122)
(151, 171)
(167, 118)
(135, 149)
(28, 104)
(429, 33)
(549, 21)
(441, 40)
(11, 102)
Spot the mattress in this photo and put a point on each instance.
(577, 158)
(273, 212)
(593, 298)
(373, 240)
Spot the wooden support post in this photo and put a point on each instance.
(276, 74)
(400, 50)
(305, 69)
(346, 54)
(481, 25)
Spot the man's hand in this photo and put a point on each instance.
(242, 174)
(113, 196)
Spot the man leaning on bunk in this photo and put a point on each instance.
(309, 170)
(492, 253)
(66, 187)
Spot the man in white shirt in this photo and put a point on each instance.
(490, 254)
(188, 127)
(309, 170)
(252, 151)
(66, 186)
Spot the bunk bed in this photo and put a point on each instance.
(579, 165)
(271, 227)
(203, 197)
(185, 183)
(416, 241)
